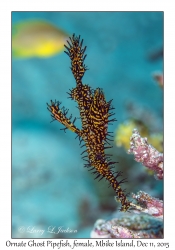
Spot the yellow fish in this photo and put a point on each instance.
(124, 132)
(36, 39)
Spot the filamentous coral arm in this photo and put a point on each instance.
(146, 154)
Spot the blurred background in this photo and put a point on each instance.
(50, 186)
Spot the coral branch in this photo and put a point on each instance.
(146, 154)
(148, 204)
(135, 226)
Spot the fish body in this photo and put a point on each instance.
(36, 39)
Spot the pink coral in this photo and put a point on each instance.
(134, 226)
(146, 154)
(150, 205)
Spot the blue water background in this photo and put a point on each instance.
(50, 186)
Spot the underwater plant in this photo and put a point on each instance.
(95, 113)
